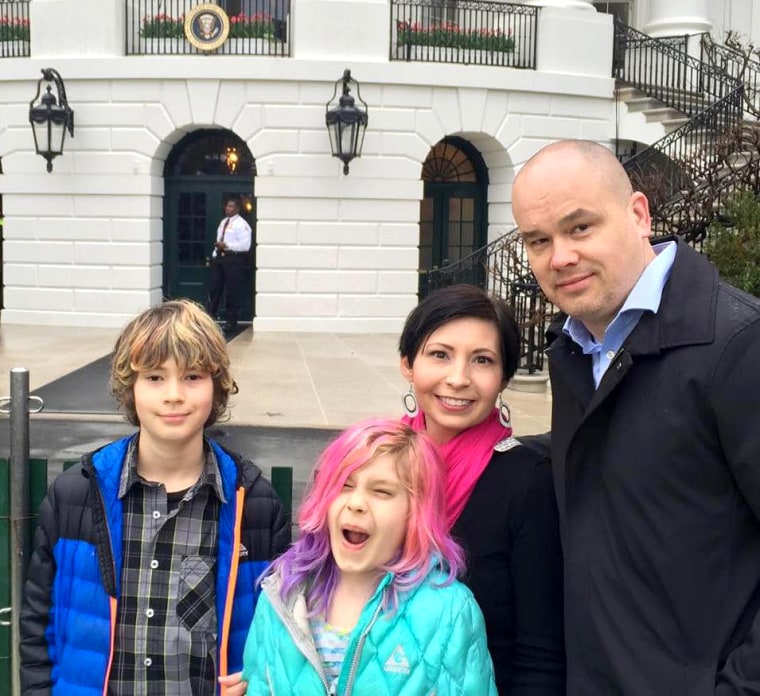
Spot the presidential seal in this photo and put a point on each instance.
(207, 27)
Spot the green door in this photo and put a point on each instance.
(193, 211)
(204, 169)
(450, 227)
(453, 212)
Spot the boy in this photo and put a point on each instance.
(142, 580)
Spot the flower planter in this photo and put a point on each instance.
(14, 47)
(156, 46)
(251, 47)
(444, 54)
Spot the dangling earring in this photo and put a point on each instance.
(410, 402)
(505, 416)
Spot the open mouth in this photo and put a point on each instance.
(354, 537)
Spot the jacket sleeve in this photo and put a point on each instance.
(281, 533)
(467, 671)
(266, 518)
(538, 654)
(37, 653)
(736, 407)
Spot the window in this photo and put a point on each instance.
(620, 9)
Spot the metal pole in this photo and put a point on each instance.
(19, 517)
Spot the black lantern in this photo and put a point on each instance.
(346, 123)
(50, 117)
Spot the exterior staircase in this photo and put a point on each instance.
(701, 118)
(644, 118)
(699, 162)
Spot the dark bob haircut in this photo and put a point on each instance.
(461, 302)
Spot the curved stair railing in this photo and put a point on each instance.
(664, 70)
(692, 212)
(688, 174)
(676, 168)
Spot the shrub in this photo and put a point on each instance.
(734, 247)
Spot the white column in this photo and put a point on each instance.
(677, 17)
(567, 4)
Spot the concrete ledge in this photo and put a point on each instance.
(535, 383)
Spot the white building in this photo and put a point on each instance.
(128, 214)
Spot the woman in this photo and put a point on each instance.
(459, 348)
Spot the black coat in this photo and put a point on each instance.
(510, 533)
(657, 474)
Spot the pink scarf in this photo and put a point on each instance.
(466, 455)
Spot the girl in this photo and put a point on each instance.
(367, 601)
(459, 348)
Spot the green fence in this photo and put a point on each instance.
(37, 488)
(282, 481)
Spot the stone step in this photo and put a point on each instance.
(672, 123)
(663, 113)
(642, 103)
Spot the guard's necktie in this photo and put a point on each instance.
(224, 229)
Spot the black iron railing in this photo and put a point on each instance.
(695, 142)
(742, 67)
(257, 27)
(675, 171)
(473, 32)
(663, 69)
(736, 168)
(696, 213)
(14, 28)
(502, 269)
(690, 172)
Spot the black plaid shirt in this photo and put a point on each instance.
(166, 628)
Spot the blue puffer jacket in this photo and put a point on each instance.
(72, 592)
(435, 642)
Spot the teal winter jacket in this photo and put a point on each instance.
(434, 643)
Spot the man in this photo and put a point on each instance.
(233, 242)
(655, 438)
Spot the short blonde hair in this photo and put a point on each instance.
(178, 329)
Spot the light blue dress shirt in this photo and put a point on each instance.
(645, 297)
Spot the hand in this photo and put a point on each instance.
(233, 684)
(220, 245)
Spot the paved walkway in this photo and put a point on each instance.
(303, 380)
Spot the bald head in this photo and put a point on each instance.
(597, 161)
(586, 232)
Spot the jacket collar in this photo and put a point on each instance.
(108, 461)
(687, 312)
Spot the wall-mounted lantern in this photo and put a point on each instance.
(50, 117)
(346, 122)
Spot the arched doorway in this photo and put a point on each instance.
(453, 213)
(202, 171)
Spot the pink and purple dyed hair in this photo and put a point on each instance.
(309, 560)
